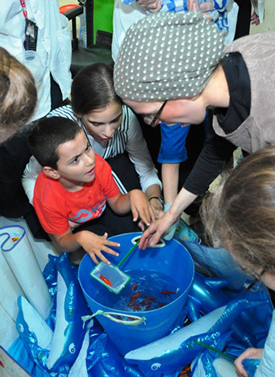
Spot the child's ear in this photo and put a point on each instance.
(50, 172)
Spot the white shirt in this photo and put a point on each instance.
(123, 17)
(53, 44)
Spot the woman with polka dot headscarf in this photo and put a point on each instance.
(172, 68)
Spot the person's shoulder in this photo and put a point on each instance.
(99, 159)
(101, 166)
(45, 187)
(252, 41)
(127, 111)
(100, 163)
(129, 119)
(41, 179)
(65, 111)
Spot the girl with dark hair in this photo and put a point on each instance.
(113, 131)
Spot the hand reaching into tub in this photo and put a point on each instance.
(250, 353)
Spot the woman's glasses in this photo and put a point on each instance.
(153, 122)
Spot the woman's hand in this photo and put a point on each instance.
(157, 207)
(255, 20)
(155, 231)
(250, 353)
(152, 6)
(192, 6)
(207, 6)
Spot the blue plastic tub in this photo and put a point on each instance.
(173, 260)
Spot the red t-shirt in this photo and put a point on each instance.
(55, 206)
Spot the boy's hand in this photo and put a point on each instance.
(141, 207)
(94, 245)
(155, 231)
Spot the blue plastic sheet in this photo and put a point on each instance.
(251, 365)
(103, 360)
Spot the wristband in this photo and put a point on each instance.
(159, 198)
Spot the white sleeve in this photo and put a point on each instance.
(259, 7)
(32, 169)
(266, 367)
(125, 14)
(139, 154)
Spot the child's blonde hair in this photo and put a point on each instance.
(18, 95)
(241, 214)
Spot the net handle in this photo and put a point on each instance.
(129, 252)
(113, 317)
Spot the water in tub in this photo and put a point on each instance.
(147, 290)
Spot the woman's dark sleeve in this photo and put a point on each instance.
(215, 154)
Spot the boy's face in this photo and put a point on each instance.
(76, 164)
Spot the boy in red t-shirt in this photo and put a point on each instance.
(74, 187)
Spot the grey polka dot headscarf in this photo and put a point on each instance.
(167, 56)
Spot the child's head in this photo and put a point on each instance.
(93, 89)
(48, 135)
(17, 95)
(95, 102)
(241, 214)
(63, 150)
